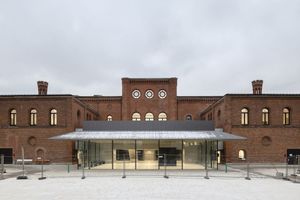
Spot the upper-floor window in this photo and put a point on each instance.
(244, 116)
(109, 118)
(136, 117)
(33, 117)
(13, 117)
(286, 116)
(149, 117)
(162, 117)
(265, 116)
(53, 117)
(188, 117)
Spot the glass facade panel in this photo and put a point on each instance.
(172, 149)
(147, 154)
(124, 151)
(193, 154)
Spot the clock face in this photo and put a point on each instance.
(162, 94)
(136, 94)
(149, 94)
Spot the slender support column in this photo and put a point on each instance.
(2, 166)
(206, 170)
(217, 155)
(83, 175)
(99, 151)
(165, 165)
(248, 172)
(95, 157)
(135, 153)
(23, 167)
(211, 151)
(88, 154)
(158, 154)
(112, 154)
(124, 167)
(42, 170)
(181, 154)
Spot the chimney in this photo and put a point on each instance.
(42, 87)
(257, 87)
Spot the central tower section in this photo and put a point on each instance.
(149, 99)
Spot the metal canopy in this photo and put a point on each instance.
(148, 135)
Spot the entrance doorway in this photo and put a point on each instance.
(8, 155)
(293, 156)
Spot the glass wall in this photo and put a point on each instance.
(124, 151)
(193, 154)
(172, 149)
(99, 154)
(147, 154)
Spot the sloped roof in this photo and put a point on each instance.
(154, 130)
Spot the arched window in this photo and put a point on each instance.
(242, 154)
(53, 117)
(244, 116)
(286, 116)
(162, 117)
(136, 117)
(219, 114)
(13, 117)
(78, 114)
(109, 118)
(188, 117)
(149, 117)
(33, 117)
(265, 116)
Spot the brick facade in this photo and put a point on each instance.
(266, 143)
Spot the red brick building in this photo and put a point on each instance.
(271, 122)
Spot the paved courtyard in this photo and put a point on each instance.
(101, 184)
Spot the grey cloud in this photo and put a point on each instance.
(86, 47)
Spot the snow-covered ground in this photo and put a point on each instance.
(107, 184)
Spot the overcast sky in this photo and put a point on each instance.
(213, 47)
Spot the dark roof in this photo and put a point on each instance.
(148, 79)
(148, 125)
(36, 95)
(99, 97)
(205, 98)
(263, 95)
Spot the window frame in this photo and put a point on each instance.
(33, 117)
(286, 116)
(242, 154)
(245, 116)
(162, 116)
(133, 118)
(109, 118)
(13, 117)
(53, 117)
(149, 118)
(265, 116)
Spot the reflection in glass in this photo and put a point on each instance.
(147, 154)
(124, 150)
